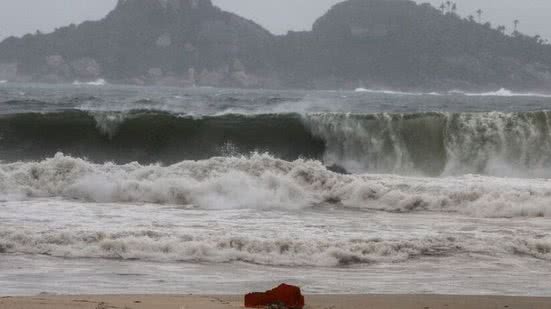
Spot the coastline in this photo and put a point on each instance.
(312, 302)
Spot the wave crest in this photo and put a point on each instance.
(426, 144)
(498, 144)
(97, 82)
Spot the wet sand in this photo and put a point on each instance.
(313, 302)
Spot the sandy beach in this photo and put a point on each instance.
(313, 302)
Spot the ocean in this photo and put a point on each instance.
(120, 189)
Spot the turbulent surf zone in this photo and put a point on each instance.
(286, 250)
(262, 182)
(233, 209)
(421, 144)
(323, 189)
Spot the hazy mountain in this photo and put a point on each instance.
(400, 43)
(146, 41)
(371, 43)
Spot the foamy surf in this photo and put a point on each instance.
(215, 248)
(263, 182)
(312, 238)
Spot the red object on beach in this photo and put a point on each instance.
(284, 294)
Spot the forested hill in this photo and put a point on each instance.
(370, 43)
(399, 43)
(147, 41)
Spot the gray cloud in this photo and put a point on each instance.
(18, 17)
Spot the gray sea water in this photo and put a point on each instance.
(117, 189)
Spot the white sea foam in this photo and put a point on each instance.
(263, 182)
(152, 246)
(283, 249)
(108, 123)
(394, 92)
(98, 82)
(501, 93)
(498, 93)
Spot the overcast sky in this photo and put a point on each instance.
(18, 17)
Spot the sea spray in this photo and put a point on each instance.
(436, 144)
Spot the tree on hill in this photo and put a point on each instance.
(516, 22)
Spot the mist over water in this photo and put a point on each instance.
(286, 180)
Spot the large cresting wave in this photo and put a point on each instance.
(426, 144)
(433, 144)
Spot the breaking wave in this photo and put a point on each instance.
(266, 183)
(98, 82)
(278, 251)
(153, 246)
(498, 93)
(424, 144)
(394, 92)
(150, 137)
(499, 144)
(504, 93)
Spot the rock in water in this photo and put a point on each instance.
(288, 295)
(335, 168)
